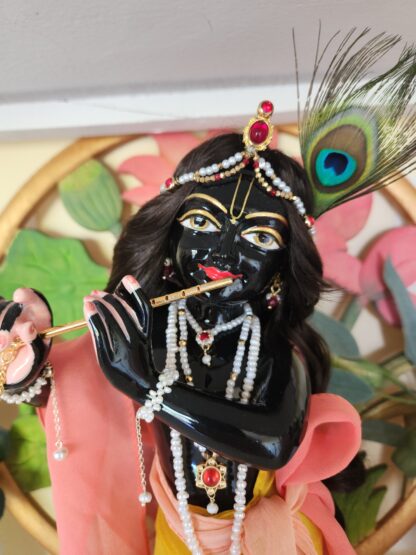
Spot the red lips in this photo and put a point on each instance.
(213, 273)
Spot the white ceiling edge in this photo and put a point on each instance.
(149, 112)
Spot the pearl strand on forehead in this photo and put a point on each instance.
(236, 163)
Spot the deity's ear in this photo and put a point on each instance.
(331, 440)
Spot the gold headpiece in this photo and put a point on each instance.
(257, 135)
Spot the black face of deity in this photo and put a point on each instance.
(230, 229)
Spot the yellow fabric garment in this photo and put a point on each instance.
(168, 543)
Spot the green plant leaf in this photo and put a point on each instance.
(340, 340)
(370, 372)
(59, 268)
(405, 308)
(360, 507)
(383, 432)
(26, 456)
(2, 502)
(24, 409)
(92, 198)
(349, 386)
(351, 313)
(405, 455)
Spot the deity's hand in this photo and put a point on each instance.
(21, 318)
(121, 325)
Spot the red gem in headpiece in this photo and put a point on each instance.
(311, 220)
(255, 164)
(211, 477)
(169, 182)
(259, 132)
(204, 336)
(217, 177)
(246, 161)
(267, 107)
(273, 193)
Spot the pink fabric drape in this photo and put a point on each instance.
(95, 489)
(331, 440)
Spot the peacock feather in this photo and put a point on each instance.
(358, 133)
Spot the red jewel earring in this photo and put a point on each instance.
(273, 297)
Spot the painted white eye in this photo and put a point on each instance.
(199, 222)
(262, 239)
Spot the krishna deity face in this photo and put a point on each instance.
(231, 229)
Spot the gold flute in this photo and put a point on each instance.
(9, 354)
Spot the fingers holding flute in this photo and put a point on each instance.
(120, 325)
(20, 320)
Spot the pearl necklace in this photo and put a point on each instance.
(178, 314)
(249, 322)
(205, 338)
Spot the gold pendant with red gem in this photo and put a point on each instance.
(205, 339)
(258, 133)
(211, 476)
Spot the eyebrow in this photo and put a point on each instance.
(212, 200)
(273, 215)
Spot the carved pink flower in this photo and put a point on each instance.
(153, 170)
(398, 245)
(333, 231)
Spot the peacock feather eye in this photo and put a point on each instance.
(334, 167)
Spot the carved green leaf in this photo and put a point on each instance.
(405, 308)
(339, 338)
(60, 268)
(26, 456)
(405, 455)
(349, 386)
(360, 507)
(373, 374)
(383, 432)
(91, 196)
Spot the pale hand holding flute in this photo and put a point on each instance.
(9, 353)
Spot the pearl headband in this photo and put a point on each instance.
(256, 137)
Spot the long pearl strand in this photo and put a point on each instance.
(154, 402)
(249, 323)
(182, 496)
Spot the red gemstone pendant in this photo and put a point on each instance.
(203, 336)
(211, 476)
(258, 132)
(267, 107)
